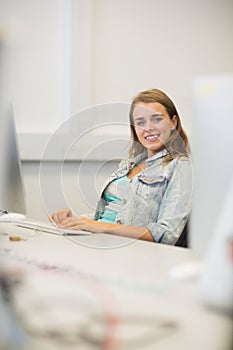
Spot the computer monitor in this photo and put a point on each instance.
(11, 181)
(12, 195)
(212, 146)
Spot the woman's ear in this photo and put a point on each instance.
(174, 122)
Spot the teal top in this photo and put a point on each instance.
(113, 195)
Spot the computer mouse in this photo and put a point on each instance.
(11, 217)
(186, 271)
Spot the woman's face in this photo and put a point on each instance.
(153, 126)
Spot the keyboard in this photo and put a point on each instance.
(47, 227)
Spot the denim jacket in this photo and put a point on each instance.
(159, 197)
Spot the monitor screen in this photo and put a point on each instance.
(11, 182)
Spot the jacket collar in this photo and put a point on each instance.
(160, 155)
(149, 161)
(130, 162)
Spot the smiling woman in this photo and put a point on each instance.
(153, 126)
(163, 113)
(149, 196)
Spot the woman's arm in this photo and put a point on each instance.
(85, 224)
(175, 206)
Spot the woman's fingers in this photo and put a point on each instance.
(69, 222)
(60, 216)
(75, 223)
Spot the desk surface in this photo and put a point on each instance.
(120, 294)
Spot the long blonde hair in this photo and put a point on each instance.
(178, 144)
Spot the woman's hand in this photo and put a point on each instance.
(60, 215)
(82, 223)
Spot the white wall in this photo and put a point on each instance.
(81, 189)
(34, 52)
(140, 44)
(66, 55)
(49, 54)
(71, 54)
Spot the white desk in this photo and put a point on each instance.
(128, 288)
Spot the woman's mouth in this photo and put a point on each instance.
(152, 137)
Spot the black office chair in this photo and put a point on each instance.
(183, 240)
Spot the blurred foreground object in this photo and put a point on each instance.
(212, 145)
(11, 334)
(217, 276)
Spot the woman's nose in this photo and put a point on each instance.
(149, 126)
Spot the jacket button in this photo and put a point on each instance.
(124, 201)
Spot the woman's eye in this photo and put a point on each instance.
(157, 119)
(139, 123)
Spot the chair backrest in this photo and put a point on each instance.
(183, 239)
